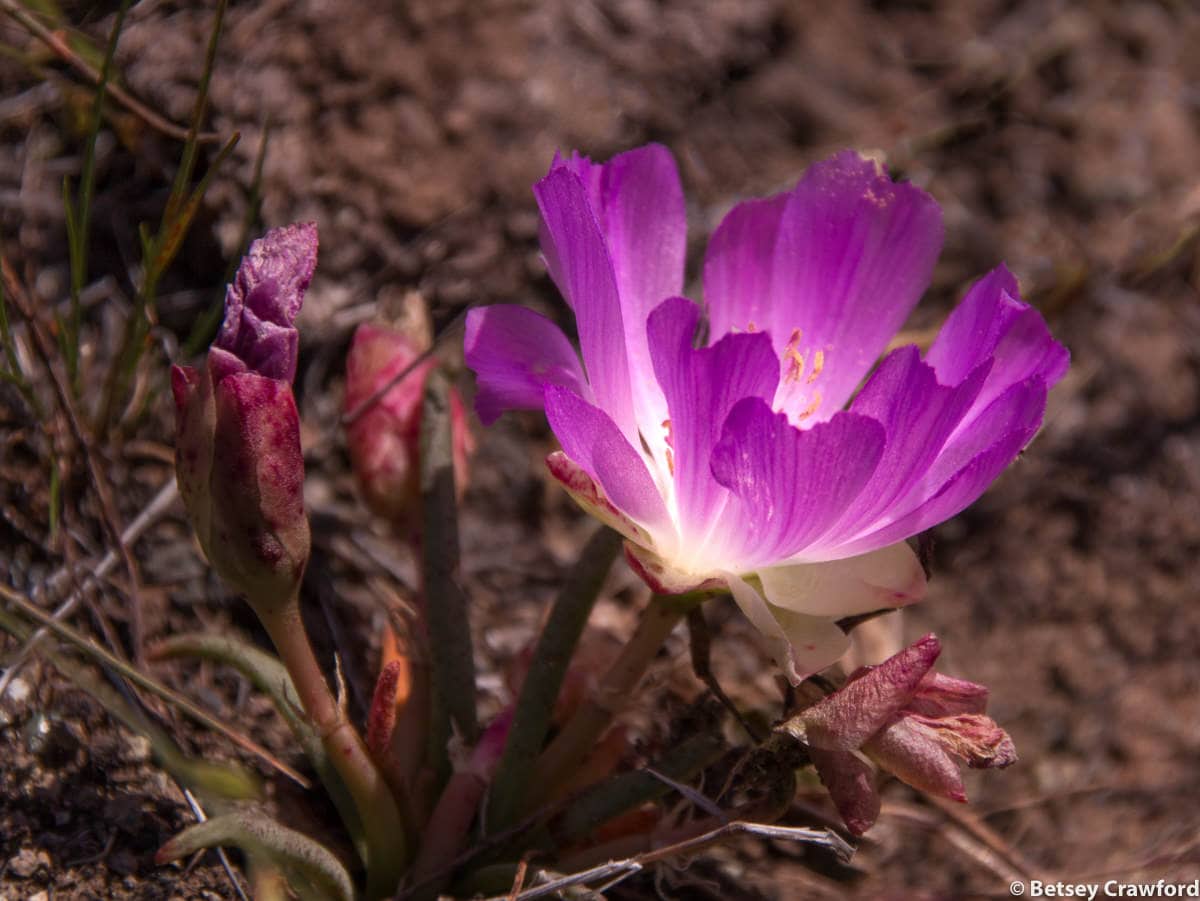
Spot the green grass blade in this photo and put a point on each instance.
(187, 162)
(79, 208)
(206, 326)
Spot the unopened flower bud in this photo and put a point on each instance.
(384, 438)
(238, 458)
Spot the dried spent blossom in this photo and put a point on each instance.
(237, 450)
(755, 457)
(912, 722)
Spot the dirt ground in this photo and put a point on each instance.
(1061, 138)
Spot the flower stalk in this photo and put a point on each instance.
(377, 809)
(575, 743)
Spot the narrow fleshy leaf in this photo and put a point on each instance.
(544, 678)
(267, 674)
(310, 868)
(446, 603)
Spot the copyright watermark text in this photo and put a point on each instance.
(1114, 888)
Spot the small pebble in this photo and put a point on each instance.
(27, 862)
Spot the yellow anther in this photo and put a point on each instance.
(670, 461)
(818, 365)
(794, 340)
(666, 424)
(795, 361)
(751, 328)
(812, 408)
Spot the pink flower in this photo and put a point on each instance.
(759, 443)
(912, 722)
(237, 449)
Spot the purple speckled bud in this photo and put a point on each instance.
(912, 722)
(237, 451)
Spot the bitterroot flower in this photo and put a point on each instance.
(753, 459)
(237, 449)
(912, 722)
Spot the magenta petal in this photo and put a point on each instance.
(993, 324)
(846, 719)
(592, 440)
(516, 353)
(791, 485)
(701, 386)
(918, 416)
(850, 254)
(580, 265)
(638, 203)
(968, 464)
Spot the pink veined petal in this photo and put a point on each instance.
(590, 438)
(850, 254)
(638, 200)
(580, 264)
(701, 385)
(515, 353)
(790, 485)
(965, 468)
(889, 577)
(918, 416)
(847, 719)
(801, 645)
(993, 324)
(586, 492)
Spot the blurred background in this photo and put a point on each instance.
(1060, 138)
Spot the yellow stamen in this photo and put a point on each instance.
(818, 365)
(812, 408)
(795, 361)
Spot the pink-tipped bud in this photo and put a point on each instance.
(912, 722)
(237, 449)
(384, 439)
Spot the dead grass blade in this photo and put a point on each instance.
(90, 649)
(63, 50)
